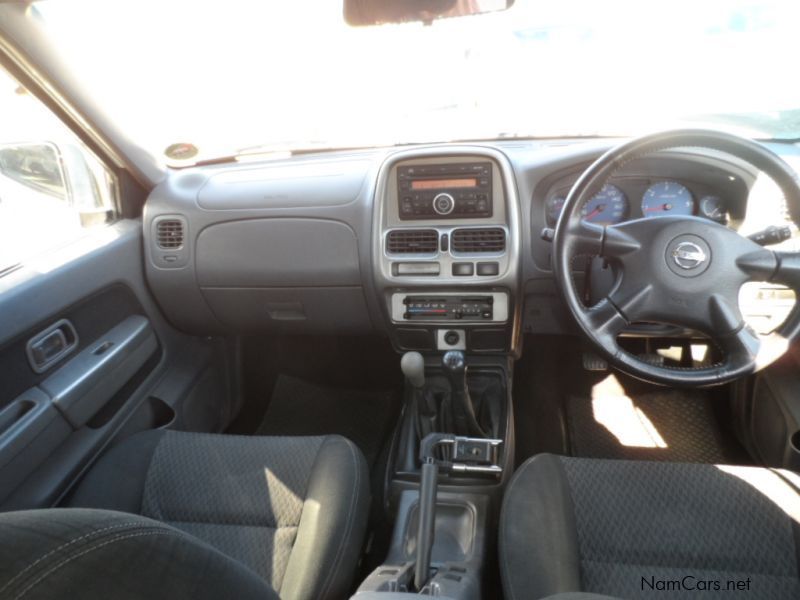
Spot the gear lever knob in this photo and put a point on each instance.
(413, 367)
(454, 362)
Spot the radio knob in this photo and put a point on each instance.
(443, 204)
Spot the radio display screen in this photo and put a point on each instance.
(439, 184)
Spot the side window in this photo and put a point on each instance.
(53, 189)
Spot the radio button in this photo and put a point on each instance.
(443, 204)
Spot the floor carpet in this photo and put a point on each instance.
(366, 417)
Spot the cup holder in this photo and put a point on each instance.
(454, 532)
(163, 415)
(152, 413)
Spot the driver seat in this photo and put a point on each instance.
(631, 529)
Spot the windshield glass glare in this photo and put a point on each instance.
(245, 76)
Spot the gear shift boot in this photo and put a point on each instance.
(454, 364)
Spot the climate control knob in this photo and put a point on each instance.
(443, 204)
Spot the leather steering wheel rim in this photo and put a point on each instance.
(655, 283)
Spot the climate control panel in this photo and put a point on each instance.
(491, 307)
(456, 308)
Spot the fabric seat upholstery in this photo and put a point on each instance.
(291, 509)
(68, 553)
(634, 529)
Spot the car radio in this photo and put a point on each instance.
(445, 191)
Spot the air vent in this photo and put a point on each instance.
(412, 241)
(492, 239)
(169, 234)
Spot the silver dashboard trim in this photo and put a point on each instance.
(446, 259)
(508, 276)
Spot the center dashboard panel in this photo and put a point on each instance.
(446, 249)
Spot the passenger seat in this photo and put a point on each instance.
(293, 510)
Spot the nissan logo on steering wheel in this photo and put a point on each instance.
(688, 255)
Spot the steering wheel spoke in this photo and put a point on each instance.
(610, 242)
(759, 264)
(724, 315)
(585, 238)
(619, 241)
(766, 265)
(741, 346)
(606, 320)
(787, 270)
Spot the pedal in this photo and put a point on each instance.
(652, 359)
(592, 362)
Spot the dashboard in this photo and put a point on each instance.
(436, 247)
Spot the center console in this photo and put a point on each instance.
(450, 459)
(447, 249)
(446, 260)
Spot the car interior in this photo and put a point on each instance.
(319, 300)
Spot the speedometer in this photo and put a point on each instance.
(667, 198)
(607, 207)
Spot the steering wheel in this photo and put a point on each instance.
(679, 270)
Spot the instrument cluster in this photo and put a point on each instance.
(633, 198)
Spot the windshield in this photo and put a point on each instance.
(238, 76)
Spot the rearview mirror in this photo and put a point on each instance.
(379, 12)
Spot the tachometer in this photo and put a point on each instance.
(667, 198)
(607, 207)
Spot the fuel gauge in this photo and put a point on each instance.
(712, 207)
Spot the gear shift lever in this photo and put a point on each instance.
(455, 367)
(413, 367)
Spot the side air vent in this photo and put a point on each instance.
(490, 239)
(169, 234)
(412, 241)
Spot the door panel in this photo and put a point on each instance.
(126, 367)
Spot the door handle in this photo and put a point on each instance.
(51, 345)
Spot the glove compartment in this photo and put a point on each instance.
(294, 275)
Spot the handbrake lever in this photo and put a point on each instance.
(468, 455)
